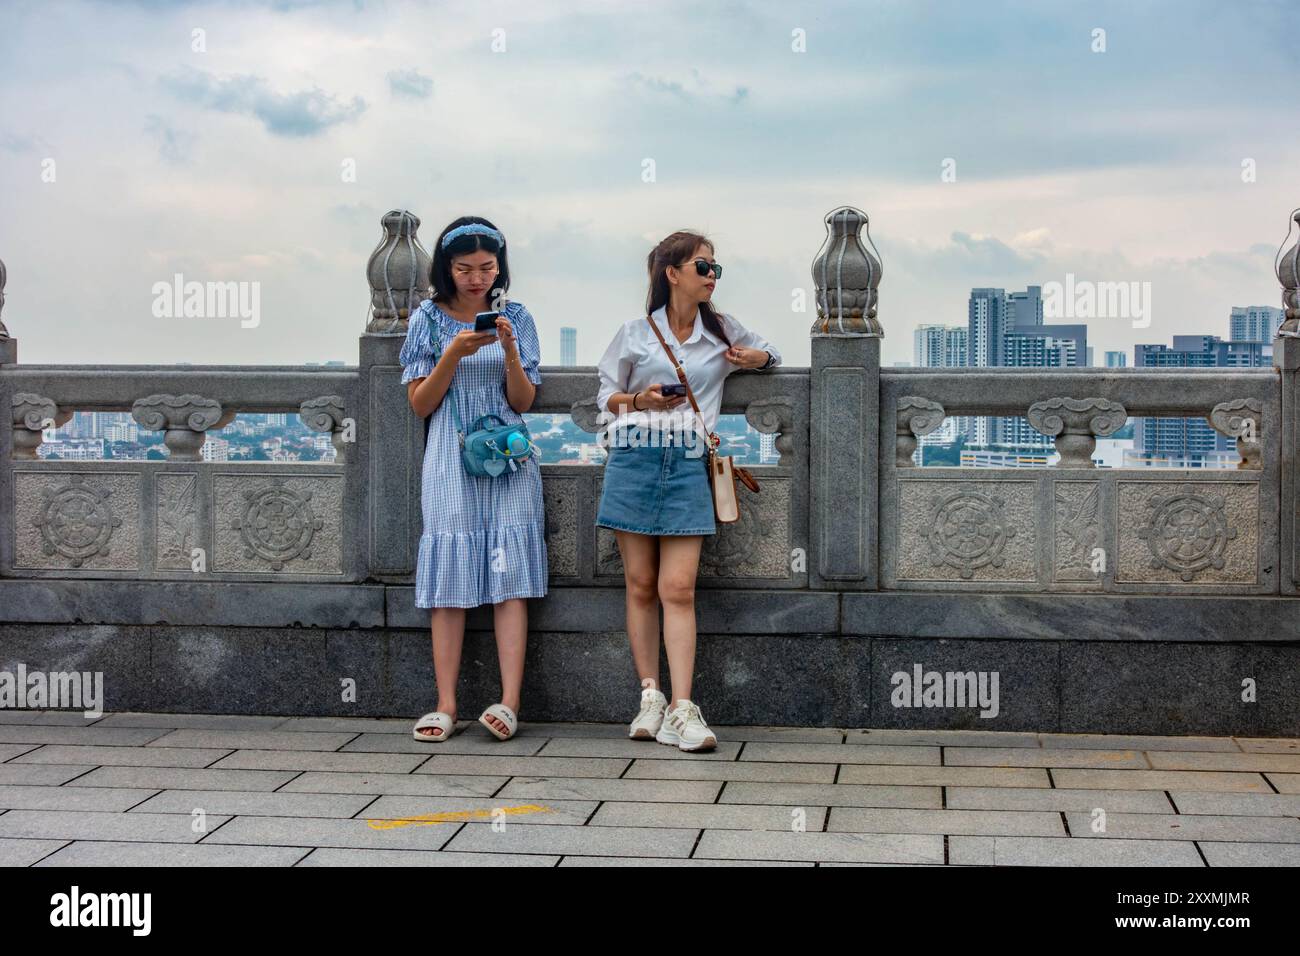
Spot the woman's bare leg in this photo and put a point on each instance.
(640, 554)
(510, 619)
(679, 561)
(448, 627)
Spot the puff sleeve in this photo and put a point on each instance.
(530, 348)
(615, 368)
(740, 335)
(417, 355)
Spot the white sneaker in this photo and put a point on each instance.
(651, 717)
(684, 727)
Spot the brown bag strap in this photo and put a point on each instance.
(713, 439)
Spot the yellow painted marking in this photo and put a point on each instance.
(455, 816)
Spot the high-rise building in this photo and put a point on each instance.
(939, 346)
(1026, 308)
(986, 322)
(1254, 323)
(1116, 359)
(1007, 330)
(1191, 440)
(568, 346)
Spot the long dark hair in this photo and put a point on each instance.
(670, 252)
(444, 287)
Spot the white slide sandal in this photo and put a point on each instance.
(504, 714)
(436, 719)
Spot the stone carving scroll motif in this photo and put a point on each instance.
(586, 415)
(32, 414)
(325, 414)
(1240, 419)
(184, 421)
(916, 417)
(1077, 423)
(774, 416)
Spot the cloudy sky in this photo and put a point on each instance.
(133, 147)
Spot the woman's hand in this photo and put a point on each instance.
(654, 397)
(506, 333)
(467, 342)
(746, 357)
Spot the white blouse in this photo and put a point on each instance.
(635, 360)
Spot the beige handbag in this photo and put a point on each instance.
(723, 471)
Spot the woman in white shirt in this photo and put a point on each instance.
(656, 496)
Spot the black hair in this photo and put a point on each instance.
(444, 287)
(673, 248)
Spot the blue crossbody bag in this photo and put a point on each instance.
(487, 451)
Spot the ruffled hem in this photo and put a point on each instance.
(457, 568)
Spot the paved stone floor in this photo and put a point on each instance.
(175, 789)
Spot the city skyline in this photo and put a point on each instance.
(1104, 160)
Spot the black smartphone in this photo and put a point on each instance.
(486, 322)
(676, 388)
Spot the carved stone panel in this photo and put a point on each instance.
(756, 546)
(966, 531)
(1078, 547)
(285, 523)
(177, 530)
(66, 520)
(1204, 532)
(560, 497)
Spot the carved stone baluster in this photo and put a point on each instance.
(586, 415)
(32, 414)
(1239, 419)
(774, 416)
(184, 421)
(916, 417)
(1077, 423)
(325, 414)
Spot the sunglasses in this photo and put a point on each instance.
(703, 267)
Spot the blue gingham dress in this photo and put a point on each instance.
(484, 539)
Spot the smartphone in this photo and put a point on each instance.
(486, 322)
(676, 388)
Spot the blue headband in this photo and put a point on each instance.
(472, 229)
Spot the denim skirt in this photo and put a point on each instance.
(656, 490)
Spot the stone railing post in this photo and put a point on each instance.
(390, 439)
(844, 434)
(1286, 359)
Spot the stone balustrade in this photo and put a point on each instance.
(849, 557)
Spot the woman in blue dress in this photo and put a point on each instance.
(484, 539)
